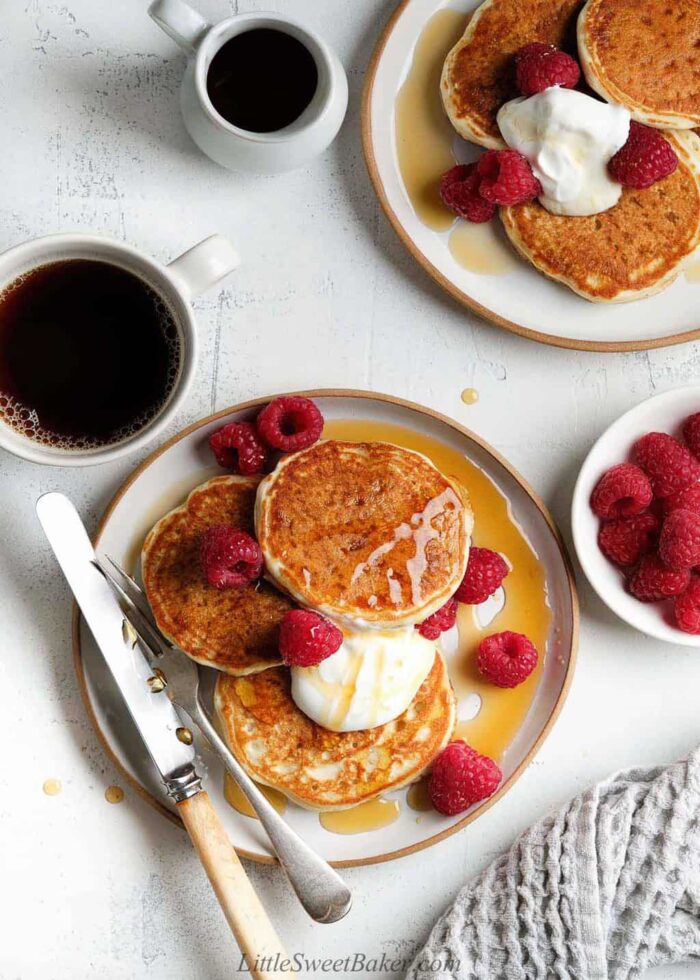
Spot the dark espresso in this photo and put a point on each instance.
(262, 80)
(89, 354)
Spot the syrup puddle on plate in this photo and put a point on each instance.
(359, 819)
(692, 272)
(236, 798)
(479, 248)
(425, 142)
(488, 717)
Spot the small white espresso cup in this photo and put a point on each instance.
(241, 149)
(176, 283)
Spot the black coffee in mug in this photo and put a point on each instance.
(89, 354)
(262, 80)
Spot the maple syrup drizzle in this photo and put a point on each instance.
(359, 819)
(425, 143)
(236, 798)
(526, 609)
(422, 130)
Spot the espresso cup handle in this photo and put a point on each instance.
(180, 22)
(203, 265)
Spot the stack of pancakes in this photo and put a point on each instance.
(372, 536)
(643, 54)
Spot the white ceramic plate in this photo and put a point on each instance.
(663, 413)
(522, 300)
(162, 482)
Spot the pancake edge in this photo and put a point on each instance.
(595, 75)
(389, 788)
(466, 126)
(145, 550)
(362, 621)
(689, 145)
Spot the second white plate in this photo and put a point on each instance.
(519, 299)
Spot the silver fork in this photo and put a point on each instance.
(321, 891)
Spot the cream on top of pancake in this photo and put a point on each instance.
(568, 138)
(369, 681)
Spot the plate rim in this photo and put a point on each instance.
(153, 801)
(539, 336)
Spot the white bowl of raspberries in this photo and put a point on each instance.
(636, 517)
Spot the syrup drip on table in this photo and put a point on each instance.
(424, 148)
(470, 396)
(52, 787)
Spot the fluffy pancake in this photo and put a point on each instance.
(478, 75)
(644, 54)
(368, 533)
(633, 250)
(234, 630)
(324, 770)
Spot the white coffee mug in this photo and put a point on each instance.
(241, 149)
(177, 283)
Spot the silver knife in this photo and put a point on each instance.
(158, 722)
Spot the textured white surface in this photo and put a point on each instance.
(325, 296)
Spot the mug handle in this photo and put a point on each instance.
(180, 22)
(203, 265)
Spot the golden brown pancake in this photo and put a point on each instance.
(368, 533)
(633, 250)
(644, 54)
(324, 770)
(234, 630)
(478, 75)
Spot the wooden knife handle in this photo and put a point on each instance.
(259, 943)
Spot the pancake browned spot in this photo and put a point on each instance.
(234, 630)
(633, 250)
(366, 532)
(324, 770)
(479, 76)
(645, 54)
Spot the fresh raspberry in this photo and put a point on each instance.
(290, 423)
(230, 557)
(485, 572)
(307, 638)
(443, 619)
(654, 581)
(645, 158)
(506, 659)
(669, 465)
(459, 190)
(687, 607)
(237, 446)
(461, 777)
(506, 178)
(688, 499)
(679, 544)
(691, 433)
(625, 541)
(540, 66)
(622, 491)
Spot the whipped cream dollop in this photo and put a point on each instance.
(568, 137)
(370, 680)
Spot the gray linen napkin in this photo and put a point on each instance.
(602, 890)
